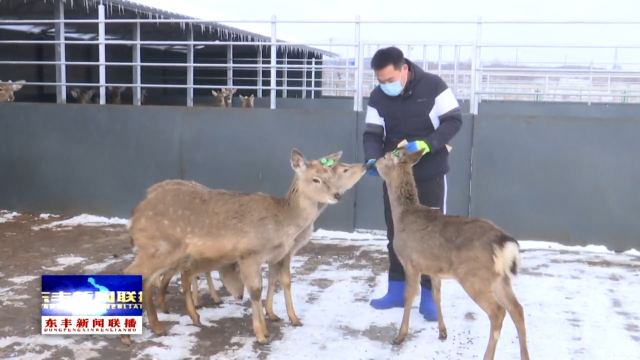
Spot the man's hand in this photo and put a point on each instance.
(418, 145)
(371, 167)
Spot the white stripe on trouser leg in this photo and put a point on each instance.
(444, 201)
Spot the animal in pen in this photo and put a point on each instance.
(247, 101)
(177, 226)
(347, 176)
(83, 96)
(222, 97)
(229, 274)
(479, 255)
(115, 94)
(8, 88)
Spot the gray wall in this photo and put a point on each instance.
(558, 172)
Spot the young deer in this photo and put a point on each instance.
(228, 94)
(347, 175)
(229, 274)
(247, 101)
(115, 94)
(478, 254)
(7, 89)
(219, 98)
(83, 96)
(177, 226)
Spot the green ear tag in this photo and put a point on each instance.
(396, 153)
(326, 162)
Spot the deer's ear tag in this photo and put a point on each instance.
(396, 153)
(327, 162)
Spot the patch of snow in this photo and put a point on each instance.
(23, 279)
(46, 216)
(340, 235)
(83, 348)
(97, 267)
(8, 297)
(64, 262)
(86, 220)
(7, 216)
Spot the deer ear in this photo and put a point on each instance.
(413, 157)
(335, 156)
(298, 162)
(18, 85)
(214, 93)
(251, 96)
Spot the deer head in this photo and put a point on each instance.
(316, 180)
(7, 89)
(228, 94)
(83, 96)
(116, 94)
(397, 163)
(219, 98)
(247, 101)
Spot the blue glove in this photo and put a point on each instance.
(371, 167)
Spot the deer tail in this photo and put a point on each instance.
(506, 256)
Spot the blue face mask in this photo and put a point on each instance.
(392, 89)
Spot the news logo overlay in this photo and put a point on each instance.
(91, 304)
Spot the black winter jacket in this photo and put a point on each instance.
(426, 110)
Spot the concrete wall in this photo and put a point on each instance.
(559, 172)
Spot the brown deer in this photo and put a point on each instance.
(479, 255)
(347, 175)
(115, 94)
(7, 89)
(247, 101)
(83, 96)
(228, 97)
(177, 226)
(229, 274)
(219, 98)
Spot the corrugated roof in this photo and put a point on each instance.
(210, 19)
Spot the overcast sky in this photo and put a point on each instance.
(433, 34)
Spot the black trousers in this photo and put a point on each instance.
(431, 193)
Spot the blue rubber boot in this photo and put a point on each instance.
(427, 306)
(394, 297)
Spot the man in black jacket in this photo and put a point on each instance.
(417, 106)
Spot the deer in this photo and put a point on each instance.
(347, 176)
(116, 94)
(479, 255)
(83, 96)
(229, 275)
(228, 96)
(7, 89)
(175, 227)
(247, 101)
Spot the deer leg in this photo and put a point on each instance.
(162, 291)
(274, 273)
(285, 280)
(195, 292)
(411, 290)
(503, 291)
(436, 287)
(186, 288)
(483, 296)
(212, 289)
(251, 275)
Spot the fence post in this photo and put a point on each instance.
(101, 55)
(136, 57)
(61, 68)
(473, 101)
(274, 60)
(357, 105)
(190, 72)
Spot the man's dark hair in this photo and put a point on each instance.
(387, 56)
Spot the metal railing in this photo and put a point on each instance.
(475, 80)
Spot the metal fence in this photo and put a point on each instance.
(275, 76)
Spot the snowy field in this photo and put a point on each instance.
(580, 303)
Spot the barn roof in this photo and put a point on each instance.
(211, 20)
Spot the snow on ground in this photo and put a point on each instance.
(579, 303)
